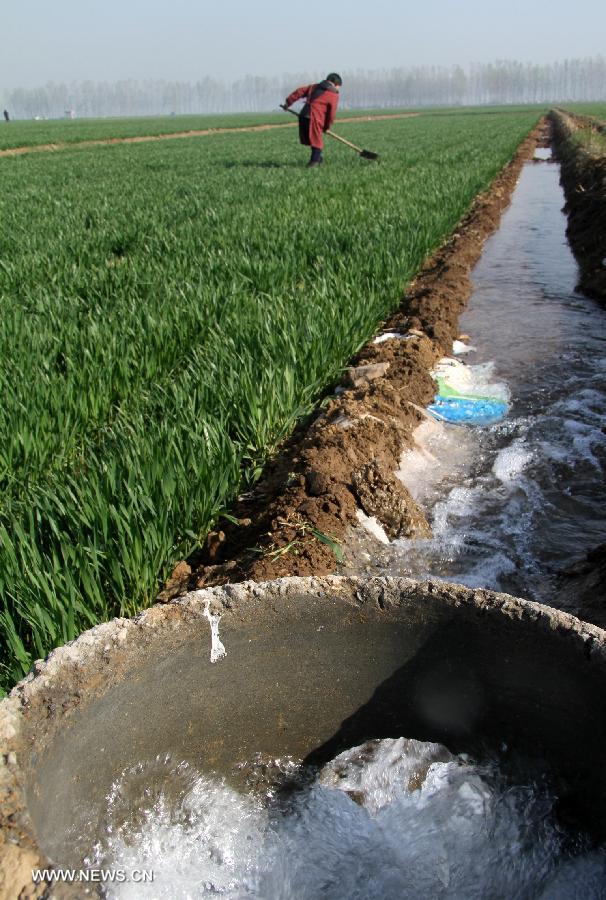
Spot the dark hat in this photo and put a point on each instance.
(335, 79)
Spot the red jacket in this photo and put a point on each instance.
(320, 107)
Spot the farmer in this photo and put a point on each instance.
(7, 118)
(318, 114)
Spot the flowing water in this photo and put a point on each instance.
(510, 504)
(513, 503)
(393, 819)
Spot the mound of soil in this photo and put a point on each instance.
(389, 501)
(584, 182)
(307, 502)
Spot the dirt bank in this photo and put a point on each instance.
(343, 463)
(584, 181)
(142, 139)
(582, 588)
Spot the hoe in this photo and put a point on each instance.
(365, 154)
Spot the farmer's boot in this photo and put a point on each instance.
(316, 157)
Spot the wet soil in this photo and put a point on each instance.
(584, 181)
(310, 496)
(140, 139)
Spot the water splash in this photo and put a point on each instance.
(394, 819)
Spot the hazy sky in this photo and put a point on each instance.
(108, 40)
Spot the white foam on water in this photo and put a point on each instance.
(441, 452)
(480, 502)
(486, 571)
(585, 440)
(369, 772)
(458, 504)
(392, 819)
(573, 432)
(587, 402)
(511, 461)
(198, 836)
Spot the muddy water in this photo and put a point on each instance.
(513, 503)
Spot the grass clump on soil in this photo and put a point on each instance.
(589, 128)
(168, 312)
(305, 534)
(591, 139)
(597, 110)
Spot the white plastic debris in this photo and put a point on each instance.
(217, 650)
(459, 348)
(373, 526)
(388, 335)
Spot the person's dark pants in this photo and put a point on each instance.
(316, 152)
(304, 123)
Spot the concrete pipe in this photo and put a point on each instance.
(311, 666)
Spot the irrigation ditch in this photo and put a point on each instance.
(345, 460)
(375, 657)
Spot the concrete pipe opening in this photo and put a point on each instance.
(313, 666)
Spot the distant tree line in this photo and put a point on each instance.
(502, 82)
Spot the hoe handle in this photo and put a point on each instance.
(331, 134)
(338, 137)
